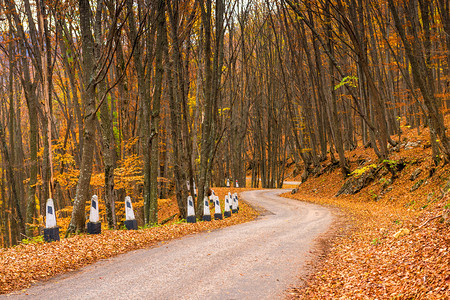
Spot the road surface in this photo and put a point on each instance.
(291, 182)
(284, 182)
(255, 260)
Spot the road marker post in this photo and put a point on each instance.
(51, 230)
(94, 226)
(217, 210)
(206, 211)
(211, 197)
(234, 204)
(130, 220)
(195, 191)
(227, 212)
(190, 210)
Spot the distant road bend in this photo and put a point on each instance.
(255, 260)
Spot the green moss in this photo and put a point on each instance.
(361, 171)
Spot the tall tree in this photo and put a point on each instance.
(152, 216)
(213, 70)
(88, 96)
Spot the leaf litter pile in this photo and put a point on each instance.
(22, 265)
(398, 244)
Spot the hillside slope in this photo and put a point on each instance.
(399, 244)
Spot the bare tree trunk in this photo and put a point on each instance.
(47, 168)
(154, 131)
(213, 76)
(176, 143)
(77, 222)
(109, 158)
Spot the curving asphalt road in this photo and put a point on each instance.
(255, 260)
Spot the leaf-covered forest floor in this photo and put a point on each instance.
(25, 264)
(398, 243)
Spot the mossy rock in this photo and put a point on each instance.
(359, 180)
(417, 185)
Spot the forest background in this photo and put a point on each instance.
(140, 97)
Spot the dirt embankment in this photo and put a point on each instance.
(399, 245)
